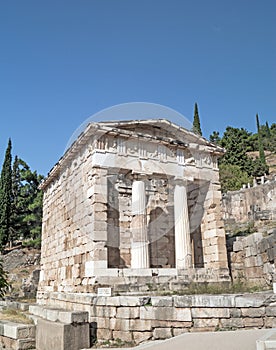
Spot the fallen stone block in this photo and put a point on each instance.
(61, 336)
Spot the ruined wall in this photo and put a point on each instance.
(255, 203)
(253, 258)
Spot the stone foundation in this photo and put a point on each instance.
(137, 319)
(127, 281)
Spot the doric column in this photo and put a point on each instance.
(183, 250)
(139, 249)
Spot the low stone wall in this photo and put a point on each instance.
(137, 319)
(16, 336)
(253, 258)
(250, 204)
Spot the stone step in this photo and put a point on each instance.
(58, 315)
(17, 336)
(16, 330)
(6, 304)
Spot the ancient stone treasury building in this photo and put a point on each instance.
(132, 205)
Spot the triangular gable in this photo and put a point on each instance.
(159, 128)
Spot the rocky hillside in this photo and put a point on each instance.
(22, 265)
(270, 160)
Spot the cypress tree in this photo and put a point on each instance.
(261, 146)
(267, 131)
(26, 202)
(196, 122)
(5, 197)
(15, 204)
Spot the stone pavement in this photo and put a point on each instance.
(233, 340)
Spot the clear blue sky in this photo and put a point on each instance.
(62, 61)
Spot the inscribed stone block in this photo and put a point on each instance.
(128, 312)
(140, 337)
(117, 324)
(162, 333)
(140, 325)
(104, 334)
(161, 301)
(270, 311)
(253, 322)
(253, 312)
(179, 331)
(210, 312)
(231, 323)
(256, 300)
(206, 323)
(122, 336)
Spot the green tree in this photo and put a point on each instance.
(272, 143)
(5, 197)
(267, 130)
(232, 177)
(260, 139)
(27, 200)
(269, 137)
(15, 212)
(196, 123)
(214, 137)
(34, 217)
(259, 168)
(235, 141)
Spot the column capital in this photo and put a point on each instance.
(182, 181)
(140, 176)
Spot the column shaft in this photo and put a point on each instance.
(183, 250)
(139, 249)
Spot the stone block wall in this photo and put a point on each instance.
(137, 319)
(73, 228)
(250, 204)
(253, 258)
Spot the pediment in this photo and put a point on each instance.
(160, 128)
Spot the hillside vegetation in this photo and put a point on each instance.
(247, 156)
